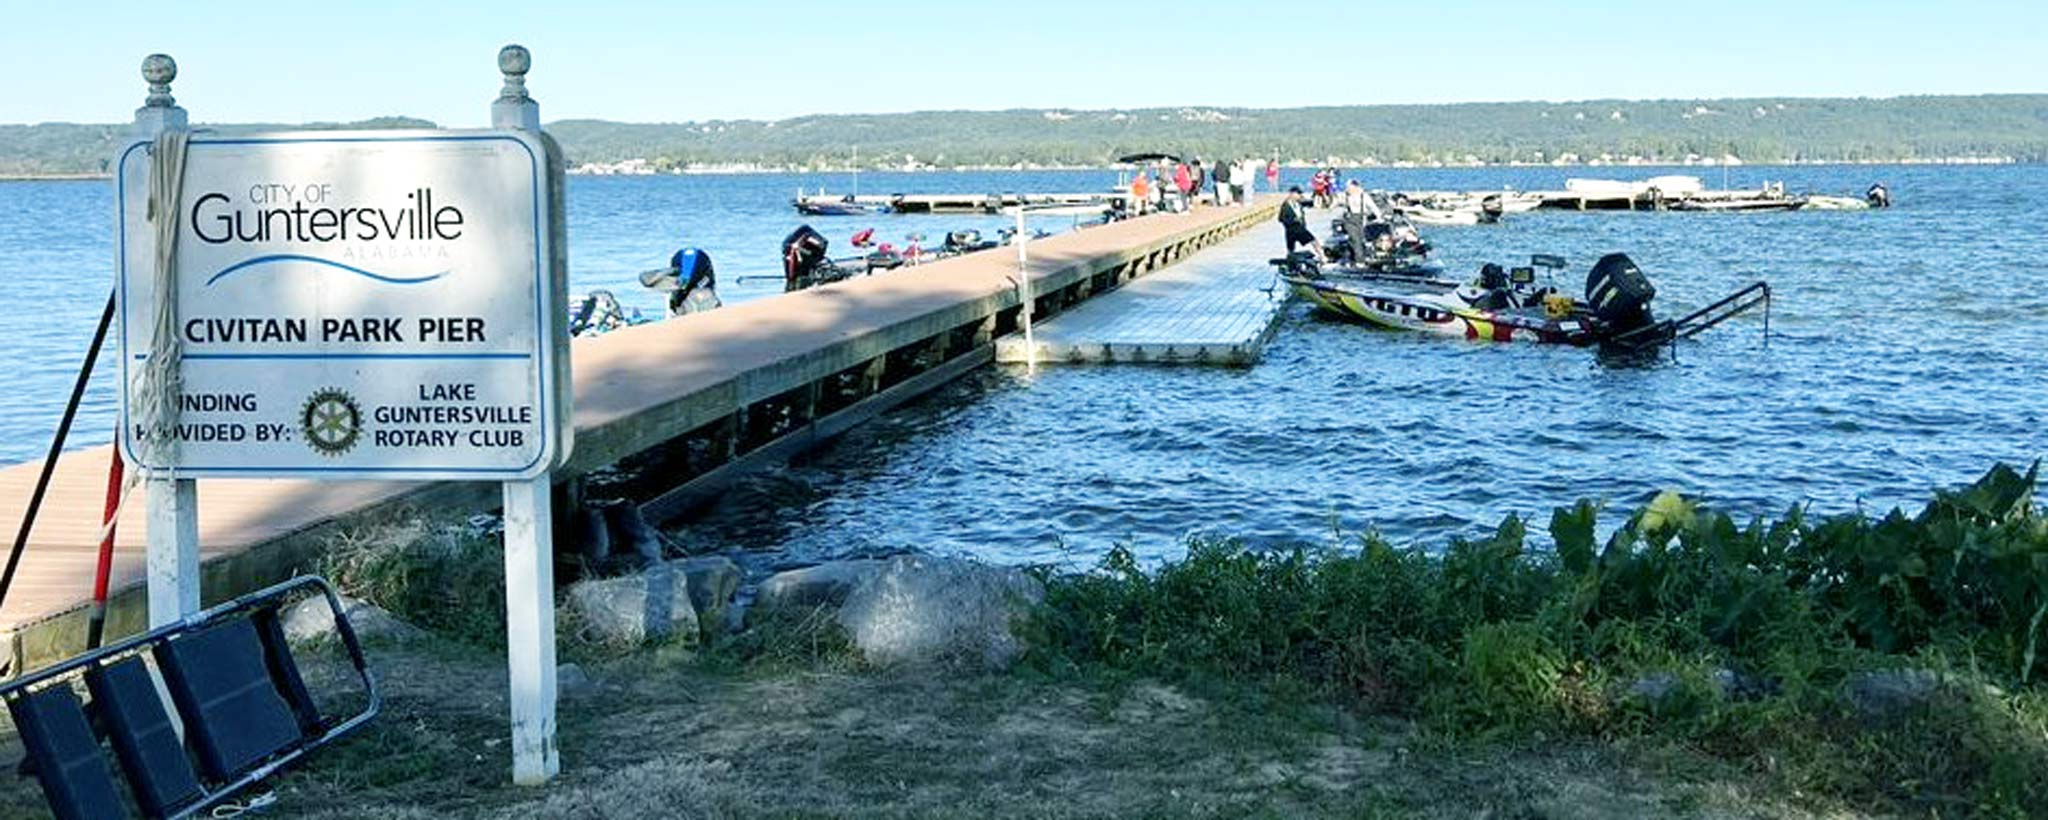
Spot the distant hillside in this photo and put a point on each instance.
(1755, 130)
(71, 148)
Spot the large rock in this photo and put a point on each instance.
(714, 580)
(810, 588)
(919, 609)
(632, 609)
(312, 621)
(1889, 693)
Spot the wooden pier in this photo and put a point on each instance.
(694, 402)
(1216, 308)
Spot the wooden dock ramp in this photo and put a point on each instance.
(706, 397)
(1217, 307)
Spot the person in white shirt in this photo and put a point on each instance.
(1357, 201)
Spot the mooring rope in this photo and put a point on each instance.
(161, 381)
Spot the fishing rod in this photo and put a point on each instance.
(35, 499)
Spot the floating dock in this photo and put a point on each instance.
(1218, 307)
(956, 203)
(689, 404)
(1654, 194)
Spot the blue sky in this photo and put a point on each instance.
(659, 62)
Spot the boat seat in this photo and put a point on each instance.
(145, 740)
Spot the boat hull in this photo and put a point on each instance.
(838, 209)
(1434, 310)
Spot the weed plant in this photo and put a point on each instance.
(1756, 643)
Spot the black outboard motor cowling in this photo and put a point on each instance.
(803, 252)
(1299, 263)
(1493, 277)
(693, 268)
(1619, 294)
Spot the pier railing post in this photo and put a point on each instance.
(1024, 294)
(529, 519)
(171, 539)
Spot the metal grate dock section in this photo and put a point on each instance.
(1217, 307)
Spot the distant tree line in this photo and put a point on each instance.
(1754, 130)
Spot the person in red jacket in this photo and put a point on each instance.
(1183, 183)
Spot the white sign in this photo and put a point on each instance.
(352, 305)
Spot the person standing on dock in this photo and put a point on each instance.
(1141, 193)
(1273, 175)
(1242, 178)
(1222, 175)
(1195, 179)
(1296, 225)
(1183, 184)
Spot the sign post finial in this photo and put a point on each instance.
(159, 70)
(159, 111)
(514, 108)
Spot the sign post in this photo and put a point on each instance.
(171, 540)
(351, 305)
(529, 517)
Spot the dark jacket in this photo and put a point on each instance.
(1290, 215)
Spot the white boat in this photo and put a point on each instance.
(1822, 202)
(1438, 216)
(1517, 202)
(1509, 202)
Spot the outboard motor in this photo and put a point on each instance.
(1878, 196)
(698, 290)
(1490, 209)
(803, 253)
(1301, 263)
(1493, 277)
(1619, 294)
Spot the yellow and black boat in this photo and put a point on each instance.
(1510, 306)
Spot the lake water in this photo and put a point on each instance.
(1906, 352)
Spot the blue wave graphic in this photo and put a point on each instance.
(298, 257)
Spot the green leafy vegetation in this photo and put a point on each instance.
(1892, 662)
(439, 576)
(1756, 130)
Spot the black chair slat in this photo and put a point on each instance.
(284, 670)
(65, 755)
(219, 679)
(145, 741)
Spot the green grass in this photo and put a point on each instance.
(433, 574)
(1490, 642)
(1488, 679)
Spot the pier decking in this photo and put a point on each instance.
(736, 387)
(1214, 308)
